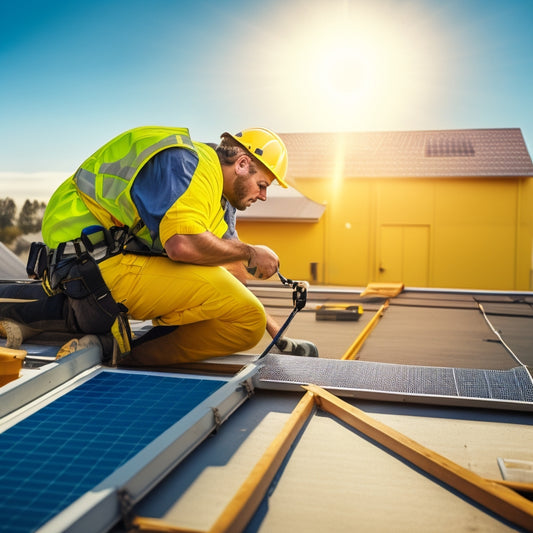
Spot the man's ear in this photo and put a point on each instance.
(242, 165)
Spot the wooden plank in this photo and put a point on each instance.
(353, 350)
(156, 525)
(495, 497)
(245, 502)
(519, 486)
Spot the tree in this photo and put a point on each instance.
(7, 212)
(31, 216)
(8, 232)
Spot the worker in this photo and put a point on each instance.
(138, 231)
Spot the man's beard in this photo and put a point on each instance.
(240, 193)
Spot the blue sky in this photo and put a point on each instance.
(74, 74)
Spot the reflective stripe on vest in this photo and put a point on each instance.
(108, 182)
(128, 166)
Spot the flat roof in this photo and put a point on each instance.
(335, 477)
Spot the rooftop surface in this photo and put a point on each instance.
(419, 327)
(335, 477)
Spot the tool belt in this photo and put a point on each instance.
(72, 269)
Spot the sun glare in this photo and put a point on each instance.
(345, 72)
(353, 63)
(356, 69)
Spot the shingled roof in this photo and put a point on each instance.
(439, 153)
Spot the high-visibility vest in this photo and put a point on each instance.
(99, 192)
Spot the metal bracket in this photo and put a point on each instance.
(247, 385)
(218, 419)
(126, 508)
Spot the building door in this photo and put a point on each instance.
(403, 255)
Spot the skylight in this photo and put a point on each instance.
(449, 147)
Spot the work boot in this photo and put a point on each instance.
(74, 345)
(297, 347)
(16, 333)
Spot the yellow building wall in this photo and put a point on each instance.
(475, 234)
(525, 235)
(449, 233)
(298, 245)
(347, 226)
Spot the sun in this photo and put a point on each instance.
(352, 65)
(345, 72)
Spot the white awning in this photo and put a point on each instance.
(284, 205)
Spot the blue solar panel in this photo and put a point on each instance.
(54, 456)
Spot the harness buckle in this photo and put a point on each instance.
(299, 291)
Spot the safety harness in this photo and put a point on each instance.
(72, 269)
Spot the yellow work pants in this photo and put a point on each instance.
(216, 314)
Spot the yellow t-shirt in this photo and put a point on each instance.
(199, 208)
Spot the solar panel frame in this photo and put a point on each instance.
(99, 508)
(33, 386)
(465, 387)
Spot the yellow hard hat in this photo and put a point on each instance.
(268, 148)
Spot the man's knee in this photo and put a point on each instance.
(253, 325)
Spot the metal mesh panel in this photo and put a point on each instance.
(514, 384)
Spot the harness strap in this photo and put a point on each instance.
(72, 269)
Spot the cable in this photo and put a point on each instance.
(299, 298)
(515, 357)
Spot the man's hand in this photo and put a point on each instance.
(263, 262)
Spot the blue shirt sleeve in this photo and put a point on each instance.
(161, 181)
